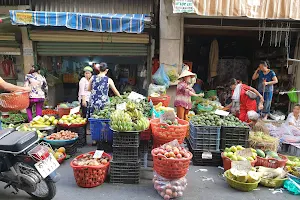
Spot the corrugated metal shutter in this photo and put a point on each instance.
(93, 6)
(9, 45)
(90, 49)
(84, 36)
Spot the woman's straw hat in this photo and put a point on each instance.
(186, 73)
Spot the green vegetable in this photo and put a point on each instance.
(260, 153)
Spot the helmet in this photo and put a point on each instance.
(88, 69)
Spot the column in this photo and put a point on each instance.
(171, 39)
(27, 53)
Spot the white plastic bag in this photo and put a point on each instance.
(156, 89)
(169, 189)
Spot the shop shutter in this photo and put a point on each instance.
(90, 49)
(89, 37)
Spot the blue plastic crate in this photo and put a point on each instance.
(100, 130)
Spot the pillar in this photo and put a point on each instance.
(27, 50)
(171, 39)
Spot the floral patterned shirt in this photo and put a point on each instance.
(183, 95)
(38, 85)
(99, 93)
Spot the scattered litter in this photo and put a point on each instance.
(280, 190)
(201, 170)
(222, 168)
(207, 179)
(257, 189)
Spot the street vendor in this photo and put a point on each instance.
(184, 91)
(294, 118)
(84, 93)
(256, 124)
(244, 98)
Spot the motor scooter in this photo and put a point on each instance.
(26, 164)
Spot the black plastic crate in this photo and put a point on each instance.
(205, 158)
(205, 132)
(126, 139)
(81, 141)
(205, 144)
(125, 153)
(124, 172)
(232, 136)
(70, 149)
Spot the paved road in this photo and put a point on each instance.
(197, 189)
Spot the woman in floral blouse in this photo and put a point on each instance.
(39, 88)
(184, 91)
(99, 86)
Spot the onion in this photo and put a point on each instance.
(166, 197)
(180, 194)
(162, 194)
(175, 194)
(155, 151)
(169, 192)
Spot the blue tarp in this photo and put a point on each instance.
(96, 22)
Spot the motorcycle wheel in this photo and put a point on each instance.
(48, 186)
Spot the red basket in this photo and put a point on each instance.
(14, 101)
(63, 111)
(272, 162)
(171, 168)
(90, 176)
(165, 100)
(163, 133)
(227, 162)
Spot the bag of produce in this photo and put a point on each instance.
(160, 77)
(172, 72)
(169, 189)
(156, 89)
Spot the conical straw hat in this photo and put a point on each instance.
(186, 73)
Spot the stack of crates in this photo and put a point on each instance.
(232, 136)
(125, 165)
(204, 143)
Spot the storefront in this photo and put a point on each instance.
(117, 39)
(223, 41)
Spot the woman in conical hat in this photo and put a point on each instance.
(184, 92)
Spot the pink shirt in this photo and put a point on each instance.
(83, 89)
(183, 95)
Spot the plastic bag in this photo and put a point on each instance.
(160, 77)
(169, 189)
(172, 72)
(156, 89)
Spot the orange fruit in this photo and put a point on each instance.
(61, 150)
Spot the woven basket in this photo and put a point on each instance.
(14, 101)
(245, 187)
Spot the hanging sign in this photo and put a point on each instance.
(183, 6)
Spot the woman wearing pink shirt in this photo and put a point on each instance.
(84, 93)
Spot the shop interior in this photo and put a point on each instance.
(64, 73)
(239, 54)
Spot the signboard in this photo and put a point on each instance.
(75, 110)
(25, 18)
(183, 6)
(27, 52)
(121, 106)
(244, 153)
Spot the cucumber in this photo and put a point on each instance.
(260, 153)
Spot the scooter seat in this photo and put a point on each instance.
(16, 141)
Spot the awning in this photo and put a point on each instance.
(267, 9)
(113, 23)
